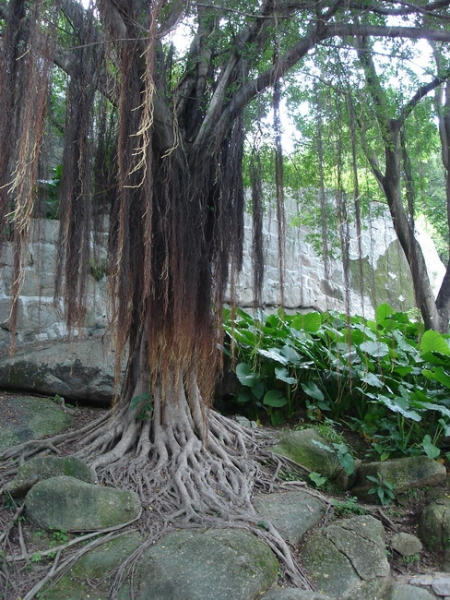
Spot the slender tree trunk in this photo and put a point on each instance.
(404, 229)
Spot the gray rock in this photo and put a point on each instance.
(403, 473)
(88, 578)
(292, 513)
(346, 556)
(26, 419)
(441, 585)
(221, 564)
(406, 544)
(292, 594)
(404, 591)
(77, 370)
(306, 447)
(73, 505)
(434, 524)
(46, 467)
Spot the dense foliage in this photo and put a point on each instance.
(385, 378)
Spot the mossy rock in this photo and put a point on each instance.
(38, 469)
(29, 418)
(72, 505)
(307, 448)
(88, 578)
(224, 564)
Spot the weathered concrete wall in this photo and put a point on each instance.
(382, 275)
(378, 270)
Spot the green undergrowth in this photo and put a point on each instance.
(386, 379)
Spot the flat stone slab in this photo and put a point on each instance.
(292, 513)
(72, 505)
(23, 419)
(347, 556)
(220, 564)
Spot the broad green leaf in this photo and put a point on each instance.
(258, 389)
(309, 322)
(375, 349)
(398, 405)
(282, 374)
(437, 374)
(274, 398)
(372, 379)
(312, 322)
(291, 354)
(312, 390)
(244, 396)
(383, 312)
(274, 354)
(347, 463)
(245, 374)
(432, 341)
(430, 449)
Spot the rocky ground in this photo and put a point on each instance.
(402, 515)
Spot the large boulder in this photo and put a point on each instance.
(81, 370)
(72, 505)
(434, 524)
(307, 448)
(38, 469)
(26, 419)
(291, 513)
(403, 473)
(224, 564)
(348, 559)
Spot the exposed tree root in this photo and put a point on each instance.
(190, 466)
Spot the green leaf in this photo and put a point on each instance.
(317, 479)
(312, 390)
(398, 405)
(372, 379)
(375, 349)
(243, 397)
(258, 389)
(274, 398)
(438, 374)
(282, 374)
(274, 354)
(309, 322)
(383, 312)
(347, 463)
(430, 449)
(432, 341)
(245, 374)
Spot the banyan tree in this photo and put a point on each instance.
(154, 136)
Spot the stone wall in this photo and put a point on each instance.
(378, 270)
(382, 275)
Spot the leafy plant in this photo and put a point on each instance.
(143, 404)
(347, 507)
(317, 479)
(386, 378)
(384, 490)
